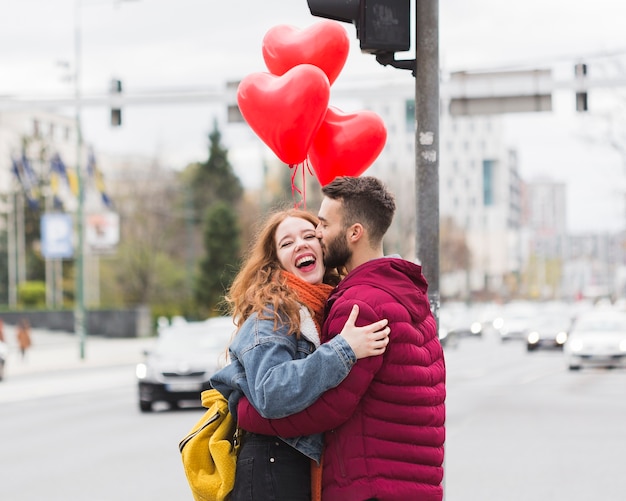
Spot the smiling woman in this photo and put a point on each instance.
(299, 251)
(277, 361)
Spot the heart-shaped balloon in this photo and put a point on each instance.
(324, 44)
(285, 111)
(346, 144)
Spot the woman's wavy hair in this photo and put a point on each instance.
(259, 287)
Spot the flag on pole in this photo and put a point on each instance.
(95, 174)
(27, 178)
(60, 184)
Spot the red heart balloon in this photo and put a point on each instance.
(324, 44)
(346, 144)
(285, 111)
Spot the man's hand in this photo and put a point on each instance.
(366, 341)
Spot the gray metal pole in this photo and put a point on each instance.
(427, 149)
(427, 144)
(79, 300)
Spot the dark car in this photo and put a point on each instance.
(185, 356)
(549, 332)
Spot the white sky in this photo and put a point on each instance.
(152, 44)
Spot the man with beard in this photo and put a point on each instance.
(384, 424)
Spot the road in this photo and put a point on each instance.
(520, 426)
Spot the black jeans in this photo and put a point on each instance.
(270, 470)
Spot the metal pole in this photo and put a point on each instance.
(20, 240)
(12, 249)
(427, 144)
(79, 300)
(49, 263)
(427, 150)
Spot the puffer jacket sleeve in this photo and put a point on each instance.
(335, 406)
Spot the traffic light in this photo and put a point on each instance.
(580, 70)
(382, 26)
(116, 110)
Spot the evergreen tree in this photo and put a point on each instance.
(221, 261)
(214, 179)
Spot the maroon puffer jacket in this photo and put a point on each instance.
(386, 419)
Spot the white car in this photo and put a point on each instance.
(597, 339)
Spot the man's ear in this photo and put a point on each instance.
(355, 232)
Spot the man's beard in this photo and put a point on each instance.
(336, 253)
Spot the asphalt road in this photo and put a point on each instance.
(520, 426)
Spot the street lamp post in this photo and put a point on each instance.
(79, 299)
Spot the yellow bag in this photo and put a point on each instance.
(209, 451)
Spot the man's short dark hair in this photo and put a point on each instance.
(365, 200)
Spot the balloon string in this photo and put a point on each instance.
(295, 190)
(304, 184)
(307, 164)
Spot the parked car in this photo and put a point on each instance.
(4, 353)
(597, 339)
(548, 331)
(185, 356)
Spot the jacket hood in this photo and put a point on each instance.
(403, 279)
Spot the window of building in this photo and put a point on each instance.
(488, 182)
(409, 110)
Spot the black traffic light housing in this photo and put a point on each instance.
(383, 27)
(115, 88)
(580, 71)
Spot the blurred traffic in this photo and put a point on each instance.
(589, 333)
(185, 354)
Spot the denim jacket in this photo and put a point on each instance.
(280, 374)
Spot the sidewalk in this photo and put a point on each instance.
(55, 350)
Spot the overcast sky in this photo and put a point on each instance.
(191, 43)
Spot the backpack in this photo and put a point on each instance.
(209, 451)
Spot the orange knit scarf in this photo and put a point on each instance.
(313, 296)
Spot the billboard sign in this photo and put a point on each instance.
(102, 232)
(56, 236)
